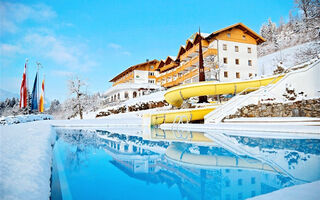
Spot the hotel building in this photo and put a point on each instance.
(229, 54)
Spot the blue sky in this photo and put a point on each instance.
(96, 40)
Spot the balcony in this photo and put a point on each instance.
(188, 70)
(194, 50)
(125, 79)
(168, 67)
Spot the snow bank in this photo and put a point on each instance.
(309, 191)
(267, 64)
(25, 167)
(23, 119)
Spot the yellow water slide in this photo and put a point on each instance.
(176, 95)
(182, 115)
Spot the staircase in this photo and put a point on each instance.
(304, 79)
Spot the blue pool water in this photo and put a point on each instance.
(160, 164)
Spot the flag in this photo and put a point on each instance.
(23, 89)
(34, 96)
(41, 102)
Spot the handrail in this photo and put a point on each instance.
(256, 93)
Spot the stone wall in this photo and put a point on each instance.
(303, 108)
(132, 108)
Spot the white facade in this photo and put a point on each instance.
(237, 61)
(125, 91)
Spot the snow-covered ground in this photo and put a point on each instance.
(155, 97)
(308, 191)
(25, 160)
(267, 64)
(23, 119)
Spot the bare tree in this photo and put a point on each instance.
(76, 88)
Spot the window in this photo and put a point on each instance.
(253, 180)
(229, 35)
(151, 81)
(239, 195)
(249, 50)
(225, 60)
(137, 76)
(227, 183)
(240, 181)
(134, 94)
(237, 75)
(243, 37)
(126, 95)
(237, 61)
(250, 62)
(151, 67)
(225, 47)
(250, 75)
(118, 95)
(151, 73)
(236, 48)
(225, 74)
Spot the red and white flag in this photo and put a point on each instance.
(23, 89)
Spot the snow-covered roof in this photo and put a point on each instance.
(131, 68)
(128, 86)
(204, 35)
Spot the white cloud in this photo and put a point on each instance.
(119, 49)
(9, 49)
(61, 73)
(71, 55)
(13, 14)
(115, 46)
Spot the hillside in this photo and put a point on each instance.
(290, 56)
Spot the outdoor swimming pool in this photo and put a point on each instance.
(159, 164)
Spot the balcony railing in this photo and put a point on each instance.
(170, 66)
(194, 49)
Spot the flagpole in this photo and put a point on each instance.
(27, 81)
(38, 96)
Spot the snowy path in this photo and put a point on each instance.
(25, 160)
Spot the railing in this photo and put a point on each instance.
(232, 105)
(194, 49)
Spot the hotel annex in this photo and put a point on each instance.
(229, 54)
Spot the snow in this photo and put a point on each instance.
(267, 64)
(25, 167)
(308, 191)
(23, 119)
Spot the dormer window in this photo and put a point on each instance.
(229, 35)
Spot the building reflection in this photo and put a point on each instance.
(199, 167)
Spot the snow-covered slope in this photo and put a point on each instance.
(289, 57)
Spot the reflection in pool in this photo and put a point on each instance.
(161, 164)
